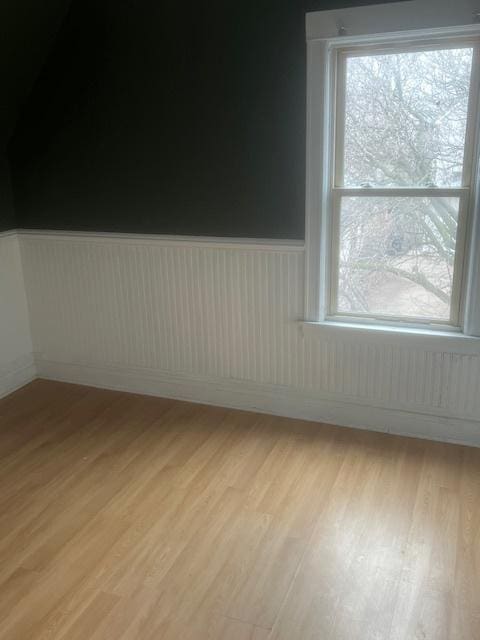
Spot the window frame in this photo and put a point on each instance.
(324, 192)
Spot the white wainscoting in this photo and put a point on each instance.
(16, 359)
(218, 322)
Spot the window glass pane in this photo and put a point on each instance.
(405, 118)
(396, 256)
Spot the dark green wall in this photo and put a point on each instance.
(169, 117)
(28, 29)
(7, 214)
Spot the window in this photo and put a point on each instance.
(395, 121)
(402, 178)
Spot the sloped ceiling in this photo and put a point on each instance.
(27, 32)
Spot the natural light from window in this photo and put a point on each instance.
(401, 182)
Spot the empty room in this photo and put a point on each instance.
(240, 320)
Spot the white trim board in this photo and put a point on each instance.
(135, 239)
(269, 399)
(10, 232)
(17, 375)
(436, 341)
(404, 15)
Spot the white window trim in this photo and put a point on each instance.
(391, 23)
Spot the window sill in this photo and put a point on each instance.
(442, 341)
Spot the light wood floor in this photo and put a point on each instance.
(126, 517)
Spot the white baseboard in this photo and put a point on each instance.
(16, 375)
(275, 400)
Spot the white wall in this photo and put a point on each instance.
(218, 323)
(16, 359)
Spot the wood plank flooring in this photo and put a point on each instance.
(125, 517)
